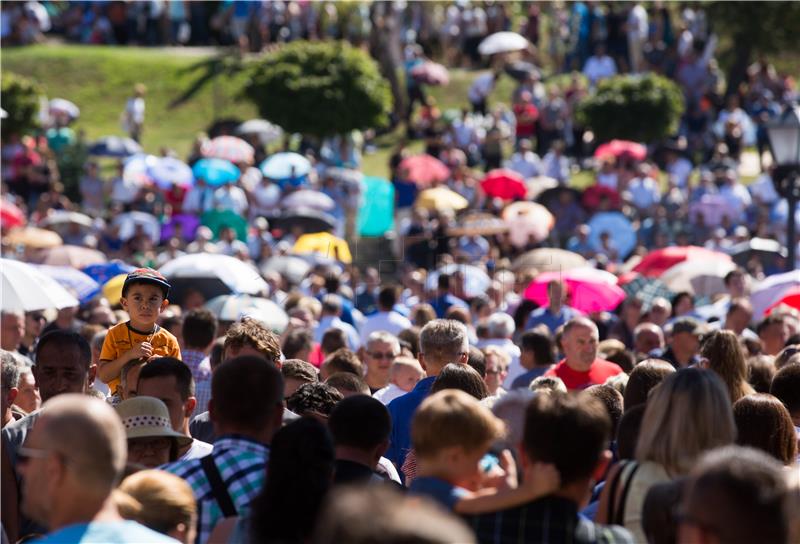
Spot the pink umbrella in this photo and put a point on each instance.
(590, 290)
(712, 208)
(621, 148)
(431, 73)
(423, 170)
(229, 148)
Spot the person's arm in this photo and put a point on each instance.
(109, 370)
(540, 481)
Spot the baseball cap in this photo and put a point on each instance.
(146, 275)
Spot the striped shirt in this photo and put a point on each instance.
(198, 363)
(242, 463)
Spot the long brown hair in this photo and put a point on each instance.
(726, 357)
(764, 422)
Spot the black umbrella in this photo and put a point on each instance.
(766, 251)
(308, 219)
(521, 70)
(550, 197)
(208, 287)
(114, 146)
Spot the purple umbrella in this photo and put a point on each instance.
(188, 224)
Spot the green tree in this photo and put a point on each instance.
(751, 29)
(644, 108)
(21, 102)
(320, 89)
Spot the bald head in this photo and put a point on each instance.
(89, 434)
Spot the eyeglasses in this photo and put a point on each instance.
(379, 355)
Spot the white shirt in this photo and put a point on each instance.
(481, 88)
(527, 165)
(391, 322)
(230, 198)
(134, 109)
(637, 22)
(333, 322)
(644, 192)
(598, 68)
(556, 167)
(197, 450)
(388, 393)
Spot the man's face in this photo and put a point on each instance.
(34, 323)
(60, 370)
(165, 388)
(738, 320)
(378, 358)
(13, 329)
(774, 338)
(37, 471)
(646, 341)
(685, 342)
(496, 372)
(580, 347)
(28, 397)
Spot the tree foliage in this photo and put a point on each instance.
(320, 89)
(21, 102)
(642, 108)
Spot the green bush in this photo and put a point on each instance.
(21, 102)
(642, 108)
(320, 89)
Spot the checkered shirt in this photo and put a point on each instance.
(200, 366)
(242, 464)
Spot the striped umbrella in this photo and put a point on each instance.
(229, 148)
(84, 287)
(647, 290)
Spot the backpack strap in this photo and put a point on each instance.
(218, 487)
(625, 490)
(613, 486)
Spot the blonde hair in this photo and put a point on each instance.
(726, 358)
(498, 352)
(166, 500)
(401, 364)
(453, 418)
(687, 414)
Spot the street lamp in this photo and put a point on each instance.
(784, 141)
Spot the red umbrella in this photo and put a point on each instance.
(620, 148)
(505, 184)
(657, 262)
(790, 298)
(10, 215)
(423, 169)
(596, 193)
(590, 289)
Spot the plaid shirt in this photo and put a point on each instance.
(551, 519)
(198, 362)
(242, 463)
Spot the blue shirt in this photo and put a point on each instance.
(553, 321)
(402, 410)
(443, 303)
(439, 490)
(524, 380)
(101, 532)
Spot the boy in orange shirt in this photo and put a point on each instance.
(144, 297)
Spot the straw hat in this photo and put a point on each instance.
(147, 417)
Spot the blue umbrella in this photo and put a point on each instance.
(84, 287)
(619, 228)
(101, 273)
(285, 166)
(216, 171)
(114, 146)
(376, 214)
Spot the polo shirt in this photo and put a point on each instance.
(598, 373)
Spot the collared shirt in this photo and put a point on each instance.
(553, 321)
(242, 464)
(550, 519)
(402, 410)
(199, 364)
(197, 450)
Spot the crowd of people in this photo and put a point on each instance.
(486, 378)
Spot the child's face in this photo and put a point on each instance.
(406, 378)
(144, 303)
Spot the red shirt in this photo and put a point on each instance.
(599, 372)
(526, 115)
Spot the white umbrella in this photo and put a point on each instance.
(770, 290)
(169, 171)
(65, 106)
(235, 307)
(128, 222)
(60, 218)
(266, 131)
(26, 289)
(476, 281)
(703, 278)
(502, 42)
(309, 199)
(230, 274)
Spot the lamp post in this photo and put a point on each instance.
(784, 141)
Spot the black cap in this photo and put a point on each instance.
(146, 275)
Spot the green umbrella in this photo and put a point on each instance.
(216, 220)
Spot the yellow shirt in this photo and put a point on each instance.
(121, 337)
